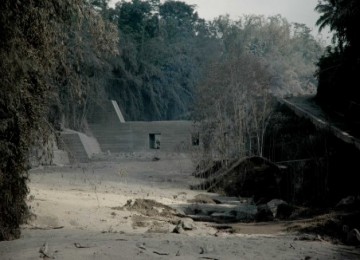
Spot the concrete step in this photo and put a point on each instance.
(73, 145)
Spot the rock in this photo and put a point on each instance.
(264, 213)
(183, 225)
(274, 204)
(352, 235)
(308, 237)
(224, 216)
(207, 209)
(202, 199)
(228, 200)
(180, 212)
(203, 218)
(129, 203)
(178, 229)
(284, 211)
(346, 202)
(246, 212)
(262, 201)
(280, 209)
(187, 224)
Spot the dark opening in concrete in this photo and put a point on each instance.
(154, 140)
(195, 139)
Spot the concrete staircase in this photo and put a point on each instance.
(79, 146)
(73, 145)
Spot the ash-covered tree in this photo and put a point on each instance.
(234, 107)
(84, 68)
(289, 50)
(258, 58)
(39, 62)
(161, 59)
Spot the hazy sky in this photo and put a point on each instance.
(300, 11)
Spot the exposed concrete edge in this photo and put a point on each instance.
(342, 135)
(118, 111)
(91, 145)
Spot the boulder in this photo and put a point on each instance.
(274, 204)
(178, 229)
(246, 212)
(264, 213)
(284, 211)
(187, 224)
(183, 225)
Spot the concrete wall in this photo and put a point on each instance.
(135, 136)
(115, 135)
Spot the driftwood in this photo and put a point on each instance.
(78, 245)
(160, 253)
(45, 227)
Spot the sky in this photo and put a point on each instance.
(300, 11)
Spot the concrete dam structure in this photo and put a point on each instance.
(115, 135)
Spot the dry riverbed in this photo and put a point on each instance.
(132, 207)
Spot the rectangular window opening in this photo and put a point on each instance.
(154, 141)
(195, 139)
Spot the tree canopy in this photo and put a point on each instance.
(258, 57)
(339, 67)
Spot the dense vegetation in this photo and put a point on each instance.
(163, 50)
(49, 55)
(339, 68)
(260, 58)
(158, 60)
(167, 50)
